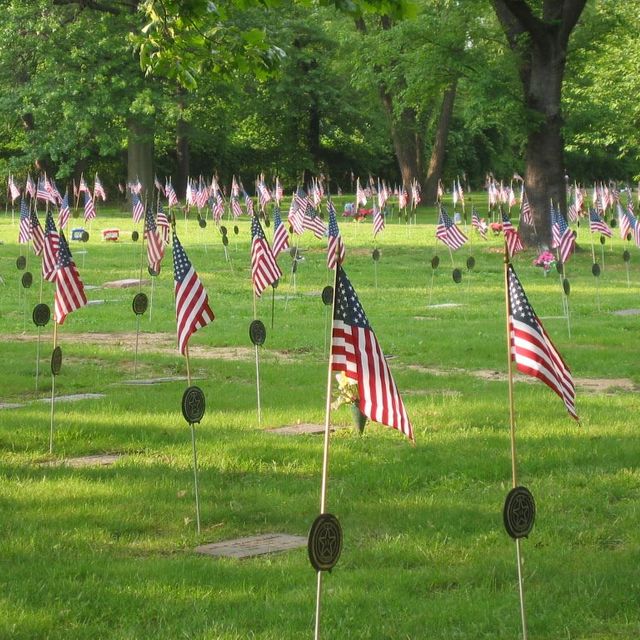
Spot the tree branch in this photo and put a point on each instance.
(101, 6)
(517, 18)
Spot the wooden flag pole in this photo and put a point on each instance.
(325, 456)
(193, 447)
(53, 387)
(512, 431)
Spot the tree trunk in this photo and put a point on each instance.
(434, 172)
(140, 152)
(183, 155)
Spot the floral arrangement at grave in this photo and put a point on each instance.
(348, 394)
(546, 260)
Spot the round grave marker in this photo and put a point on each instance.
(327, 295)
(193, 404)
(376, 255)
(236, 229)
(602, 239)
(275, 283)
(456, 274)
(566, 286)
(41, 314)
(85, 236)
(223, 230)
(225, 240)
(257, 332)
(559, 266)
(140, 303)
(56, 361)
(21, 262)
(435, 261)
(267, 222)
(519, 512)
(614, 223)
(202, 223)
(27, 279)
(629, 236)
(153, 272)
(135, 236)
(324, 543)
(626, 256)
(471, 263)
(595, 269)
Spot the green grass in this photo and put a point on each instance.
(108, 552)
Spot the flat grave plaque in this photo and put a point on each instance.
(75, 397)
(253, 545)
(126, 283)
(301, 429)
(99, 460)
(627, 312)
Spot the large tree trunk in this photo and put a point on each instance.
(434, 172)
(540, 41)
(140, 152)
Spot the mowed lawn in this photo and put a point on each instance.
(108, 551)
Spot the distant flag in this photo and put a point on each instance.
(158, 185)
(162, 223)
(192, 302)
(278, 193)
(264, 197)
(356, 352)
(98, 189)
(172, 198)
(65, 212)
(37, 234)
(13, 189)
(248, 203)
(454, 194)
(89, 207)
(532, 349)
(525, 209)
(448, 233)
(137, 208)
(335, 248)
(312, 221)
(562, 237)
(415, 194)
(403, 198)
(136, 187)
(30, 188)
(280, 234)
(439, 191)
(598, 225)
(50, 249)
(478, 224)
(264, 268)
(70, 293)
(155, 246)
(361, 196)
(296, 211)
(83, 185)
(511, 236)
(217, 207)
(43, 192)
(378, 220)
(24, 234)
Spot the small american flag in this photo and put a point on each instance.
(264, 268)
(361, 196)
(297, 209)
(13, 189)
(30, 188)
(264, 197)
(248, 203)
(89, 207)
(312, 221)
(137, 208)
(511, 236)
(192, 303)
(598, 225)
(24, 235)
(37, 234)
(415, 194)
(280, 234)
(155, 246)
(83, 185)
(43, 192)
(98, 189)
(356, 352)
(562, 237)
(532, 349)
(65, 212)
(158, 185)
(162, 222)
(448, 233)
(172, 198)
(403, 198)
(478, 224)
(378, 220)
(525, 210)
(50, 249)
(335, 248)
(69, 288)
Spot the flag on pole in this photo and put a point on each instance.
(192, 302)
(13, 189)
(65, 212)
(24, 234)
(83, 185)
(37, 234)
(280, 234)
(335, 248)
(525, 209)
(378, 220)
(448, 233)
(89, 208)
(478, 224)
(69, 294)
(172, 198)
(30, 187)
(562, 237)
(312, 221)
(158, 185)
(98, 189)
(356, 352)
(155, 246)
(297, 209)
(264, 268)
(598, 225)
(531, 348)
(511, 236)
(137, 208)
(162, 223)
(50, 249)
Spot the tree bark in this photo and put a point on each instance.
(140, 152)
(541, 46)
(183, 154)
(438, 152)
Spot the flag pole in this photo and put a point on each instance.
(53, 387)
(193, 447)
(512, 431)
(325, 454)
(259, 408)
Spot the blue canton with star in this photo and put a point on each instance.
(519, 305)
(348, 307)
(181, 264)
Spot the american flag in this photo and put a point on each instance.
(172, 198)
(532, 349)
(30, 187)
(65, 212)
(448, 233)
(299, 203)
(511, 236)
(478, 224)
(69, 288)
(43, 192)
(312, 221)
(135, 187)
(361, 196)
(158, 185)
(155, 246)
(280, 234)
(264, 268)
(562, 237)
(192, 303)
(83, 185)
(217, 207)
(162, 222)
(415, 194)
(356, 352)
(98, 189)
(335, 248)
(264, 197)
(403, 198)
(137, 208)
(278, 192)
(24, 234)
(525, 209)
(598, 225)
(248, 203)
(37, 234)
(89, 208)
(13, 189)
(50, 249)
(378, 220)
(54, 193)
